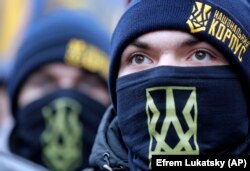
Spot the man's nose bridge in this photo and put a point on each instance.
(168, 59)
(66, 82)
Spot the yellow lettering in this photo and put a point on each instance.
(224, 19)
(87, 61)
(212, 27)
(241, 53)
(237, 46)
(228, 23)
(220, 16)
(235, 28)
(216, 14)
(225, 30)
(220, 31)
(238, 31)
(232, 42)
(244, 39)
(227, 35)
(81, 54)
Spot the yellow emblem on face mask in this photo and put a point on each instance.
(61, 140)
(185, 131)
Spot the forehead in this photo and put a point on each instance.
(56, 66)
(165, 33)
(165, 37)
(56, 70)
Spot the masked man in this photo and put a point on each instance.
(58, 90)
(179, 81)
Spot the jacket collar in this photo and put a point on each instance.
(109, 151)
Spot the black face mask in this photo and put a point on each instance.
(180, 111)
(58, 130)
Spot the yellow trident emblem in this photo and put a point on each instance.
(62, 143)
(179, 122)
(198, 20)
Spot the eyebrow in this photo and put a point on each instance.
(188, 42)
(140, 44)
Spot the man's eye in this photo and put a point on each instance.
(46, 82)
(201, 55)
(138, 59)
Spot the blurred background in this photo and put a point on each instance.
(16, 16)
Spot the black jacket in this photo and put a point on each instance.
(109, 151)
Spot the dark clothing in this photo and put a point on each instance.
(109, 151)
